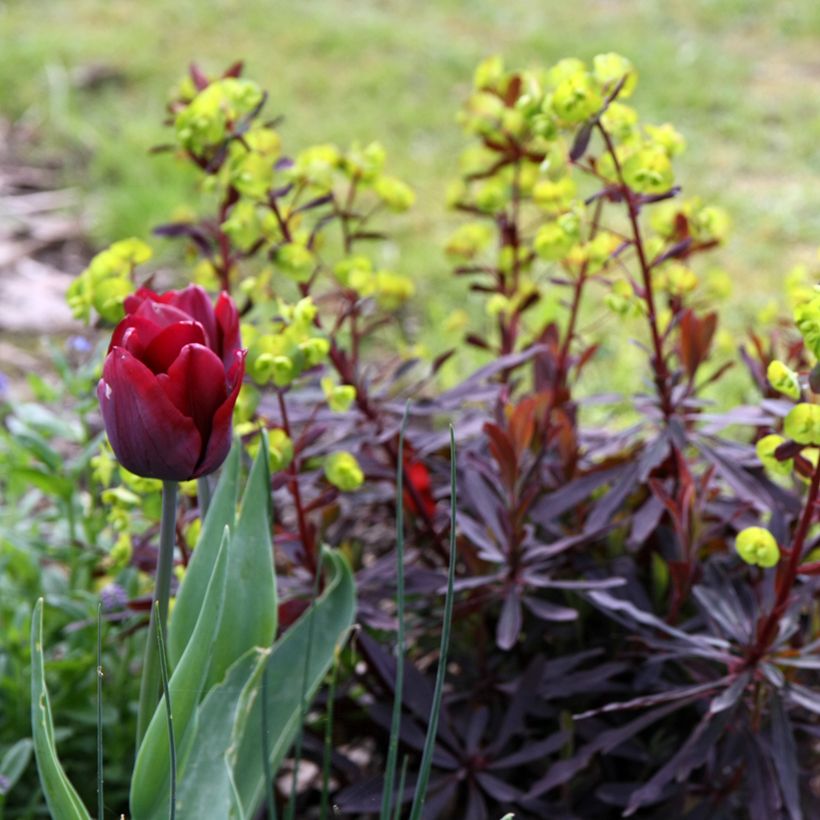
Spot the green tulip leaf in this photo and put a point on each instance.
(61, 797)
(249, 616)
(15, 761)
(332, 617)
(150, 784)
(208, 790)
(221, 513)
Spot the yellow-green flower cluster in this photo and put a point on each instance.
(765, 449)
(343, 471)
(318, 167)
(783, 379)
(206, 121)
(706, 223)
(807, 319)
(389, 290)
(802, 424)
(251, 161)
(339, 396)
(289, 345)
(105, 283)
(756, 546)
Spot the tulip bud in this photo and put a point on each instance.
(757, 546)
(170, 382)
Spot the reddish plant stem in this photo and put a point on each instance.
(575, 307)
(767, 627)
(659, 360)
(226, 261)
(305, 532)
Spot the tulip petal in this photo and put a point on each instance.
(195, 302)
(148, 434)
(219, 442)
(167, 345)
(195, 383)
(227, 321)
(134, 333)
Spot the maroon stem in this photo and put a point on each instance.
(305, 532)
(659, 360)
(767, 627)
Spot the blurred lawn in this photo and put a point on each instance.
(740, 78)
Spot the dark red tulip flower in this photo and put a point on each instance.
(170, 382)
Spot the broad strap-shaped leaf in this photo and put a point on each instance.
(150, 784)
(332, 617)
(207, 789)
(221, 514)
(61, 797)
(249, 612)
(15, 761)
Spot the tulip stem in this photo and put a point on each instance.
(149, 686)
(203, 491)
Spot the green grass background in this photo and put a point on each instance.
(739, 78)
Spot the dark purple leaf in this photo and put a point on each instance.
(509, 622)
(565, 770)
(488, 550)
(465, 390)
(476, 807)
(723, 607)
(532, 751)
(802, 696)
(755, 489)
(497, 788)
(645, 521)
(784, 757)
(691, 755)
(673, 252)
(604, 509)
(730, 696)
(571, 495)
(563, 544)
(686, 693)
(711, 647)
(418, 689)
(581, 141)
(549, 612)
(189, 231)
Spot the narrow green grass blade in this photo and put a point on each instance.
(326, 755)
(221, 514)
(400, 792)
(61, 797)
(100, 756)
(432, 728)
(395, 723)
(172, 746)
